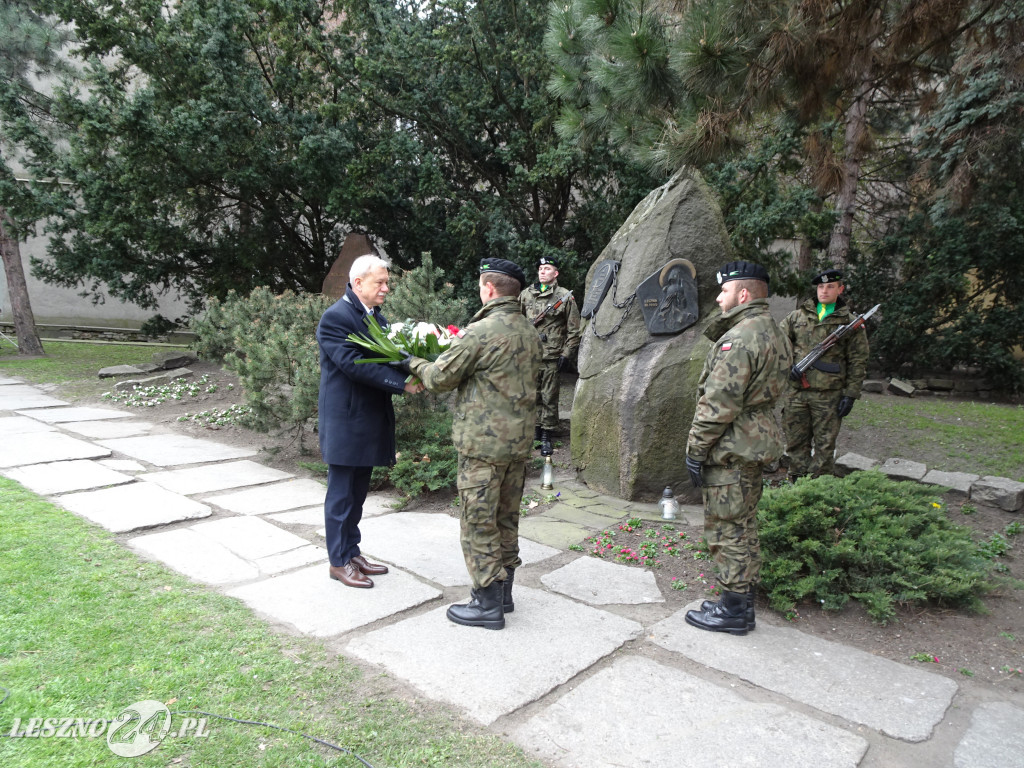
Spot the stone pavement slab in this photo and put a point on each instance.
(552, 533)
(105, 430)
(291, 494)
(995, 738)
(307, 516)
(898, 700)
(59, 415)
(643, 714)
(229, 551)
(316, 605)
(195, 556)
(22, 425)
(548, 640)
(171, 450)
(250, 537)
(5, 380)
(214, 477)
(65, 476)
(42, 447)
(122, 465)
(14, 397)
(598, 582)
(134, 506)
(428, 545)
(582, 516)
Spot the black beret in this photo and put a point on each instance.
(741, 270)
(553, 261)
(505, 267)
(828, 276)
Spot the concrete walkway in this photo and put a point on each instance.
(592, 669)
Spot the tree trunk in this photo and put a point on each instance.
(17, 289)
(846, 198)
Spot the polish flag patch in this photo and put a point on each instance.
(727, 346)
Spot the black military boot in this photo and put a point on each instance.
(727, 615)
(545, 442)
(483, 610)
(707, 605)
(506, 591)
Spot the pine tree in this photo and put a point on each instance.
(422, 295)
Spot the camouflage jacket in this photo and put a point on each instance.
(560, 329)
(745, 372)
(494, 363)
(803, 329)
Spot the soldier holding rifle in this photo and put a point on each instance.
(828, 381)
(553, 313)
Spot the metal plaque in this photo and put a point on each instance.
(604, 276)
(668, 298)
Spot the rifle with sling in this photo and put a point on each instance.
(554, 305)
(810, 360)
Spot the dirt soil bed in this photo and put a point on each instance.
(986, 647)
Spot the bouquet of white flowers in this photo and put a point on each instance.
(424, 340)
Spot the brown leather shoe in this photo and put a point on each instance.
(370, 569)
(350, 575)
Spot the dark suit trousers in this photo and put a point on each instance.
(343, 509)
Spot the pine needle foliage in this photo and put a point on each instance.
(867, 538)
(424, 295)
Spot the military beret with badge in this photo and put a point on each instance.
(828, 276)
(504, 267)
(548, 261)
(742, 270)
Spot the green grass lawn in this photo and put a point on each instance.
(968, 436)
(87, 628)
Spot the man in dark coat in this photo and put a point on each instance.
(357, 419)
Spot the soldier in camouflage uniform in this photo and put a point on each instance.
(811, 417)
(733, 435)
(560, 336)
(493, 362)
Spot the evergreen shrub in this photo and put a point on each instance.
(868, 538)
(269, 342)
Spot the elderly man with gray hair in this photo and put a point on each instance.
(357, 419)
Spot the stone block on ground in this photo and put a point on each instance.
(942, 385)
(16, 397)
(876, 386)
(106, 430)
(169, 359)
(598, 582)
(994, 739)
(127, 385)
(899, 700)
(999, 492)
(71, 414)
(172, 450)
(43, 447)
(21, 425)
(904, 469)
(133, 507)
(279, 497)
(66, 476)
(958, 483)
(854, 462)
(638, 712)
(547, 641)
(114, 371)
(901, 388)
(215, 477)
(428, 545)
(314, 604)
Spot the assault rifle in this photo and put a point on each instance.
(810, 360)
(551, 308)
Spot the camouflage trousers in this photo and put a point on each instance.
(490, 495)
(730, 524)
(548, 385)
(810, 419)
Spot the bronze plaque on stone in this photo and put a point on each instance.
(668, 298)
(604, 276)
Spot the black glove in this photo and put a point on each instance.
(402, 364)
(845, 406)
(795, 374)
(561, 363)
(694, 467)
